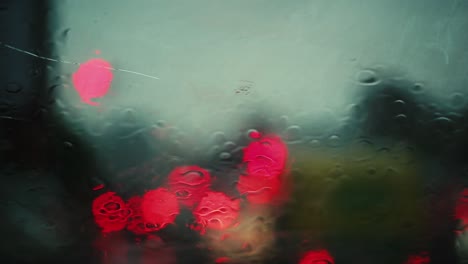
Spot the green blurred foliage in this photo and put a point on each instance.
(358, 191)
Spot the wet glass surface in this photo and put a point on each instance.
(309, 132)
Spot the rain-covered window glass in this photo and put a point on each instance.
(247, 131)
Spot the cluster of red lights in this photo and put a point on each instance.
(262, 183)
(190, 187)
(320, 256)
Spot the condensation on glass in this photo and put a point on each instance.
(236, 132)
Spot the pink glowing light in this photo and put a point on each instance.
(92, 80)
(110, 212)
(217, 211)
(189, 184)
(160, 208)
(321, 256)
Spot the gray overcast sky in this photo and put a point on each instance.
(303, 55)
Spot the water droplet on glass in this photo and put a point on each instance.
(229, 145)
(442, 123)
(253, 134)
(161, 123)
(65, 115)
(214, 150)
(314, 143)
(224, 156)
(363, 149)
(237, 152)
(356, 112)
(64, 34)
(391, 172)
(13, 87)
(98, 129)
(218, 137)
(52, 90)
(383, 151)
(128, 113)
(417, 88)
(129, 117)
(334, 141)
(442, 119)
(294, 132)
(367, 77)
(401, 118)
(398, 106)
(283, 121)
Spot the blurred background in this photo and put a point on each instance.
(369, 98)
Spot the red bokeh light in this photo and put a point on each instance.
(259, 190)
(189, 184)
(136, 224)
(222, 260)
(266, 157)
(159, 208)
(321, 256)
(254, 134)
(217, 211)
(461, 209)
(110, 212)
(421, 258)
(92, 80)
(265, 161)
(98, 187)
